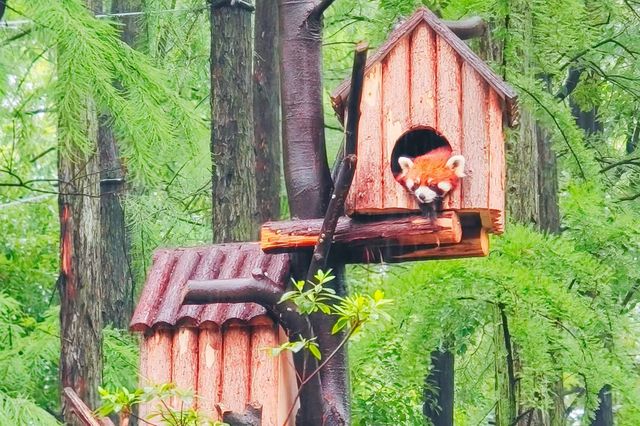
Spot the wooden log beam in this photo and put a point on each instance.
(82, 413)
(258, 289)
(415, 230)
(474, 243)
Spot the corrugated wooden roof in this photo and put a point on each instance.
(506, 92)
(160, 304)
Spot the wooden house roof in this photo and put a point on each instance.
(506, 92)
(160, 303)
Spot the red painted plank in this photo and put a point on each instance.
(423, 77)
(367, 188)
(236, 350)
(497, 160)
(143, 373)
(287, 384)
(185, 362)
(449, 97)
(475, 186)
(264, 372)
(396, 111)
(156, 283)
(159, 349)
(209, 371)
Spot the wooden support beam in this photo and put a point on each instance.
(474, 243)
(82, 413)
(415, 230)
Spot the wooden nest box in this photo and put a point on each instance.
(217, 350)
(424, 88)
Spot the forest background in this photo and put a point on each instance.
(563, 290)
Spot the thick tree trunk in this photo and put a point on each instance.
(439, 389)
(80, 277)
(588, 121)
(117, 280)
(604, 413)
(308, 178)
(266, 110)
(232, 152)
(309, 184)
(79, 282)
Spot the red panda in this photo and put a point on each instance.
(431, 176)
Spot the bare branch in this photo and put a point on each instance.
(320, 8)
(468, 28)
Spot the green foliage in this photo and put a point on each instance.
(122, 401)
(570, 300)
(147, 114)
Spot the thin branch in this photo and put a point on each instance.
(564, 136)
(629, 198)
(317, 370)
(635, 161)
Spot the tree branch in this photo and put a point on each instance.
(318, 11)
(570, 83)
(467, 28)
(258, 289)
(355, 98)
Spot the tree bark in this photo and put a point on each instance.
(309, 185)
(80, 280)
(604, 413)
(266, 110)
(80, 277)
(439, 389)
(308, 179)
(117, 278)
(232, 151)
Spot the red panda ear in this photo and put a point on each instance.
(405, 164)
(456, 163)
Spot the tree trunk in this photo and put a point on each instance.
(79, 282)
(80, 277)
(588, 121)
(117, 280)
(604, 413)
(309, 185)
(266, 110)
(439, 389)
(308, 178)
(232, 151)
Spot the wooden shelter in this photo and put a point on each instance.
(425, 88)
(216, 350)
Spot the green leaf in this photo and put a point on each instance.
(315, 351)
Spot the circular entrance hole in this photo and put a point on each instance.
(415, 142)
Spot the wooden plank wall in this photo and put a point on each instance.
(423, 82)
(229, 367)
(367, 188)
(396, 111)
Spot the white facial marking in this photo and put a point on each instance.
(409, 184)
(425, 195)
(444, 186)
(405, 163)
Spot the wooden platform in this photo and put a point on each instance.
(412, 230)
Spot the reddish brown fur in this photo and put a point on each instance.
(430, 169)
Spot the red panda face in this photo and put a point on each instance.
(431, 176)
